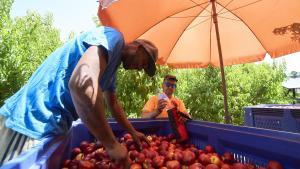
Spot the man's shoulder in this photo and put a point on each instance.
(154, 97)
(104, 33)
(108, 30)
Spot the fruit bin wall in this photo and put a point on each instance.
(247, 144)
(275, 117)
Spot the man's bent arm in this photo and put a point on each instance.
(117, 111)
(88, 97)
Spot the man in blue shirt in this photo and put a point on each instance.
(75, 81)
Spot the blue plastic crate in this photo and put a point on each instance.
(247, 143)
(275, 117)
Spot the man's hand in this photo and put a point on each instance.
(119, 155)
(162, 103)
(137, 137)
(183, 119)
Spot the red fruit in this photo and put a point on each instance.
(155, 148)
(89, 156)
(133, 154)
(83, 145)
(67, 163)
(250, 166)
(102, 165)
(226, 166)
(200, 152)
(196, 166)
(93, 146)
(188, 157)
(147, 163)
(140, 158)
(215, 160)
(209, 149)
(79, 156)
(158, 161)
(172, 146)
(99, 154)
(228, 158)
(154, 137)
(88, 150)
(170, 137)
(127, 136)
(86, 165)
(145, 144)
(132, 147)
(152, 143)
(204, 159)
(173, 164)
(163, 152)
(150, 139)
(135, 166)
(195, 151)
(164, 146)
(129, 142)
(212, 166)
(238, 166)
(115, 166)
(75, 151)
(151, 154)
(274, 165)
(173, 141)
(170, 155)
(178, 156)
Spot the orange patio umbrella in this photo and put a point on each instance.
(202, 33)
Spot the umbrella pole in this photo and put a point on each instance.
(215, 20)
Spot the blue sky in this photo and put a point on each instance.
(69, 15)
(76, 16)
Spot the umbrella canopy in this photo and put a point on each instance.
(292, 83)
(202, 33)
(185, 35)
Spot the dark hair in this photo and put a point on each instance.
(170, 77)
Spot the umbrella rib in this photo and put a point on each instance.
(247, 27)
(240, 6)
(180, 36)
(171, 15)
(225, 6)
(200, 5)
(197, 24)
(190, 16)
(193, 2)
(229, 18)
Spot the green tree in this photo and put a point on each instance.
(247, 84)
(25, 42)
(134, 88)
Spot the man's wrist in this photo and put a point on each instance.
(157, 112)
(111, 145)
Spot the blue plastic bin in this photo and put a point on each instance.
(248, 144)
(275, 117)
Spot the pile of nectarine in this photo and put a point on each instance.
(163, 152)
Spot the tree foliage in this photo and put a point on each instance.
(201, 89)
(24, 43)
(134, 88)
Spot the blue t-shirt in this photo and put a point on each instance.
(44, 106)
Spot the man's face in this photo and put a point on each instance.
(169, 87)
(135, 57)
